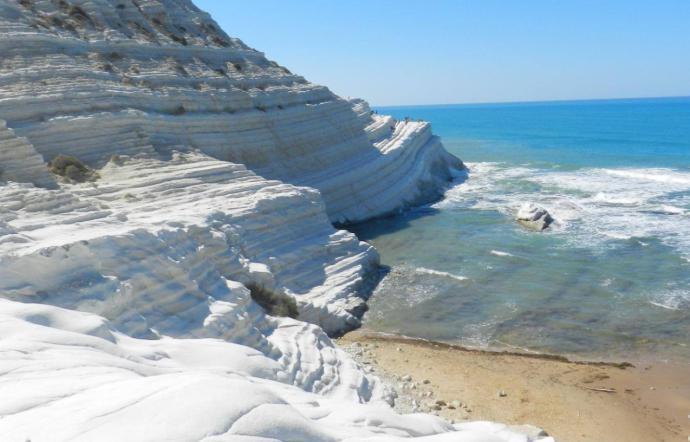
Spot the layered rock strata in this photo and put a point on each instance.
(125, 307)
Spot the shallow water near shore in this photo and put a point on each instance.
(610, 279)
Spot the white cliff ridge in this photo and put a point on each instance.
(124, 308)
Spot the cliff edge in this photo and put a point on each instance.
(156, 177)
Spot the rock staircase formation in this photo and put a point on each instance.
(123, 305)
(97, 78)
(20, 162)
(143, 79)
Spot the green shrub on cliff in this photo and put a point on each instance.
(71, 168)
(276, 304)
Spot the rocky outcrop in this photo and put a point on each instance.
(19, 161)
(533, 217)
(124, 304)
(154, 80)
(139, 211)
(95, 78)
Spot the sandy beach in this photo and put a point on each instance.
(571, 400)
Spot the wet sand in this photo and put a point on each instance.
(572, 401)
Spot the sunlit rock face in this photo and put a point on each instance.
(124, 310)
(97, 78)
(158, 85)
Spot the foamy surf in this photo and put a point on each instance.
(500, 253)
(672, 210)
(440, 273)
(677, 299)
(592, 205)
(658, 175)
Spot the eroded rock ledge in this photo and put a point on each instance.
(212, 167)
(157, 82)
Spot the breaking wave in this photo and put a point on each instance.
(439, 273)
(675, 299)
(499, 253)
(591, 206)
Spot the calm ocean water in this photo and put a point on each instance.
(611, 278)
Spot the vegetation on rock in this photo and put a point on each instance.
(71, 168)
(276, 304)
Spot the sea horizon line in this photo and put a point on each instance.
(533, 102)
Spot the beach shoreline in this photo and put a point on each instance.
(572, 400)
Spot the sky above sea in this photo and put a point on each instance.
(392, 52)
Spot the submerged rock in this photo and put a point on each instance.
(534, 217)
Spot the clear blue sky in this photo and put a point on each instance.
(457, 51)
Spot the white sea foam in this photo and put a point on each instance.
(591, 205)
(499, 253)
(659, 175)
(674, 299)
(612, 199)
(672, 210)
(440, 273)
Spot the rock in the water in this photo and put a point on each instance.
(534, 217)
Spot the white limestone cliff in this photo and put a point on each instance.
(124, 313)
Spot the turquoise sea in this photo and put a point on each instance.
(610, 279)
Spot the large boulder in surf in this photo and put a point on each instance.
(534, 217)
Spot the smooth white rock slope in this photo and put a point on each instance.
(124, 312)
